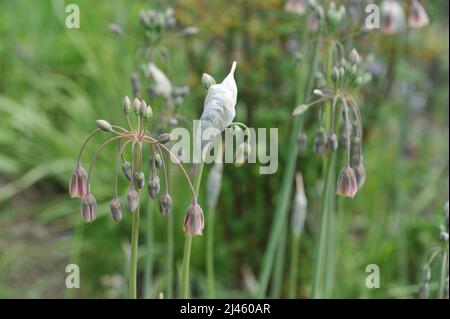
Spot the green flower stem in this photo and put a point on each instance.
(283, 201)
(170, 255)
(277, 284)
(293, 273)
(210, 253)
(149, 248)
(188, 241)
(444, 275)
(135, 238)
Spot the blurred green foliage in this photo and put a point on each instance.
(56, 81)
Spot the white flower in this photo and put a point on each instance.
(418, 17)
(219, 107)
(393, 17)
(295, 6)
(163, 86)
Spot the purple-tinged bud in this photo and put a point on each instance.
(104, 125)
(164, 138)
(78, 182)
(132, 200)
(154, 186)
(360, 173)
(393, 17)
(332, 142)
(127, 170)
(137, 105)
(320, 144)
(165, 204)
(194, 220)
(142, 109)
(116, 207)
(126, 105)
(89, 208)
(347, 184)
(418, 17)
(302, 142)
(139, 180)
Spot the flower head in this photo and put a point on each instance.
(393, 17)
(78, 182)
(89, 208)
(194, 220)
(347, 184)
(418, 17)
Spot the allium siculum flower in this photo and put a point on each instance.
(194, 221)
(165, 204)
(89, 208)
(116, 207)
(78, 182)
(347, 185)
(393, 17)
(132, 199)
(418, 17)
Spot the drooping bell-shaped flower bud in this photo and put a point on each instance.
(219, 107)
(104, 125)
(116, 207)
(332, 142)
(89, 208)
(347, 184)
(418, 17)
(296, 6)
(158, 161)
(164, 138)
(302, 142)
(139, 180)
(165, 204)
(126, 105)
(360, 173)
(127, 170)
(194, 220)
(78, 182)
(208, 80)
(320, 144)
(132, 200)
(154, 186)
(393, 17)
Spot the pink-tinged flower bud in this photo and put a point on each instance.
(347, 184)
(154, 187)
(332, 142)
(78, 182)
(89, 208)
(418, 17)
(139, 180)
(116, 207)
(165, 204)
(302, 142)
(126, 105)
(164, 138)
(320, 144)
(104, 125)
(194, 220)
(360, 173)
(393, 17)
(137, 105)
(132, 200)
(127, 170)
(295, 6)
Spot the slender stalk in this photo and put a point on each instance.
(293, 273)
(170, 249)
(137, 160)
(149, 247)
(288, 175)
(188, 240)
(210, 253)
(444, 275)
(277, 284)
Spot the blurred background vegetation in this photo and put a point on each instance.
(55, 82)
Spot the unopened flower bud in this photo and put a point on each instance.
(194, 220)
(320, 144)
(318, 93)
(354, 57)
(302, 142)
(137, 105)
(165, 204)
(127, 170)
(78, 182)
(142, 109)
(418, 17)
(104, 125)
(126, 105)
(89, 208)
(148, 113)
(335, 75)
(132, 200)
(139, 180)
(157, 161)
(347, 184)
(154, 186)
(164, 138)
(207, 80)
(360, 173)
(332, 142)
(116, 207)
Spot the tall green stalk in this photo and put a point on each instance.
(443, 275)
(210, 252)
(284, 197)
(149, 249)
(188, 241)
(293, 272)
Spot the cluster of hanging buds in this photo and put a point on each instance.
(394, 18)
(135, 137)
(348, 77)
